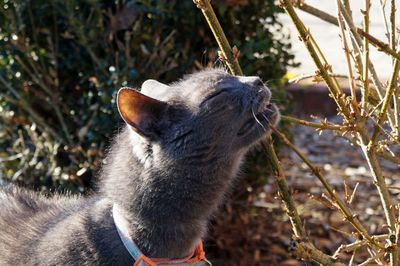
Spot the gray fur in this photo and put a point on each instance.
(167, 184)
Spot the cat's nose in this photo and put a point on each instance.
(253, 81)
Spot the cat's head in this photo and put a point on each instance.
(205, 113)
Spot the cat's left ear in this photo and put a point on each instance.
(154, 85)
(141, 112)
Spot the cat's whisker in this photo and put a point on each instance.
(266, 118)
(255, 117)
(260, 132)
(258, 129)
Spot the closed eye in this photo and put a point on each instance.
(212, 96)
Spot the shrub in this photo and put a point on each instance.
(61, 63)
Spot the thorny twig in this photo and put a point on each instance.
(346, 212)
(324, 124)
(384, 47)
(349, 67)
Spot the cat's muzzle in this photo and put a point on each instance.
(272, 113)
(268, 114)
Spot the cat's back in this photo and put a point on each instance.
(22, 204)
(59, 230)
(25, 215)
(14, 199)
(18, 206)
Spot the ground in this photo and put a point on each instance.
(262, 236)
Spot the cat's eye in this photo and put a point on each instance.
(212, 96)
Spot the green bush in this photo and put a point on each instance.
(62, 62)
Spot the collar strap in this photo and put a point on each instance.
(197, 258)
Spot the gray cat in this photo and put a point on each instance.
(164, 176)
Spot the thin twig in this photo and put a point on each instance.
(306, 250)
(379, 181)
(393, 159)
(316, 12)
(388, 96)
(366, 58)
(307, 76)
(349, 69)
(393, 46)
(229, 56)
(370, 260)
(396, 105)
(285, 194)
(358, 244)
(357, 38)
(346, 213)
(384, 47)
(383, 5)
(312, 124)
(393, 24)
(353, 195)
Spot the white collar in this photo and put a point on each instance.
(197, 258)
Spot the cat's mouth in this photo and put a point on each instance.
(268, 115)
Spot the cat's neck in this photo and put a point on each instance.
(167, 205)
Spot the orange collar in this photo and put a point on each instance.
(197, 258)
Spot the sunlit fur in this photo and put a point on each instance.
(167, 184)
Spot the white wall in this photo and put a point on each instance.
(326, 35)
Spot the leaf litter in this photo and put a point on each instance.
(256, 230)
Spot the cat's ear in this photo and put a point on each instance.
(141, 112)
(154, 85)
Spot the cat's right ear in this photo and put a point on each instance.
(141, 112)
